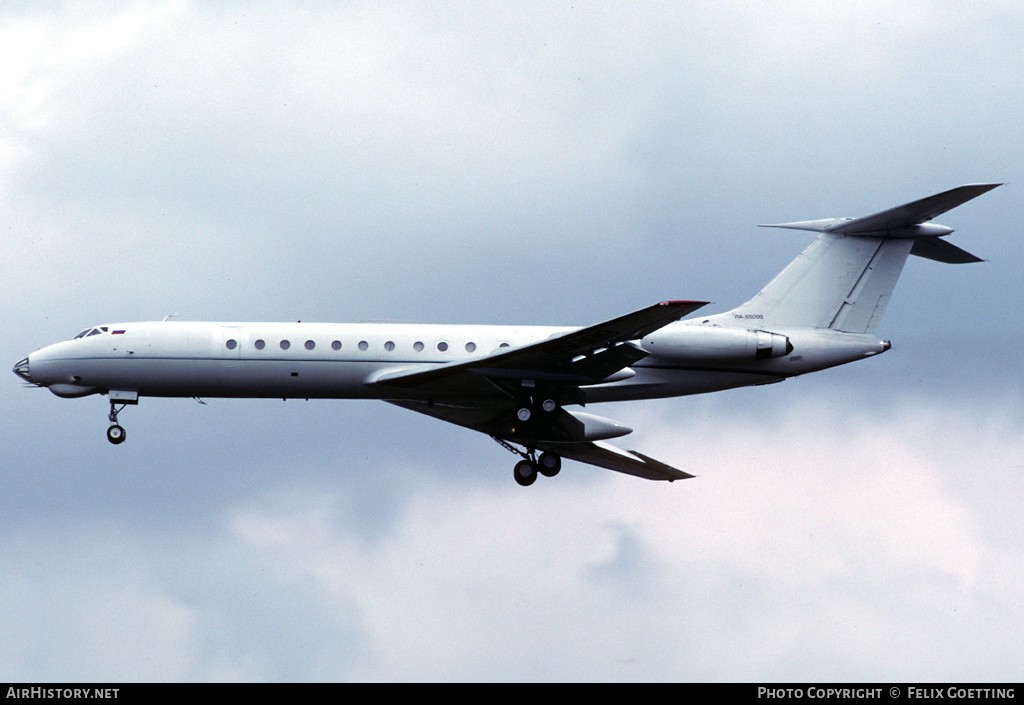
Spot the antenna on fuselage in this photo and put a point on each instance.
(171, 316)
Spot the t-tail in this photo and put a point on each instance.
(844, 279)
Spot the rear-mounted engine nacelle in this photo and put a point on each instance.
(710, 343)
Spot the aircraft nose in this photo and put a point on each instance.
(22, 370)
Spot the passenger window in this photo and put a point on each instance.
(310, 345)
(470, 347)
(503, 345)
(285, 344)
(363, 345)
(259, 344)
(336, 345)
(442, 346)
(389, 346)
(231, 344)
(417, 346)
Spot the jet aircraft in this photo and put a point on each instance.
(526, 386)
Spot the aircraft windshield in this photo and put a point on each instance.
(90, 331)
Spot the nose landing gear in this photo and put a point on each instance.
(118, 401)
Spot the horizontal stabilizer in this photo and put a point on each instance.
(815, 226)
(901, 221)
(915, 212)
(942, 251)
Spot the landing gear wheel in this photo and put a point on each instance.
(523, 414)
(525, 473)
(549, 405)
(116, 434)
(549, 464)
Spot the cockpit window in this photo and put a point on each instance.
(91, 331)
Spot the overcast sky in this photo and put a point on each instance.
(535, 163)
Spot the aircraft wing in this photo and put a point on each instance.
(583, 356)
(607, 456)
(488, 418)
(477, 394)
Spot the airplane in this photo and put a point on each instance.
(525, 386)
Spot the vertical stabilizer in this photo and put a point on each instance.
(845, 278)
(838, 282)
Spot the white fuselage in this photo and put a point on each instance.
(343, 361)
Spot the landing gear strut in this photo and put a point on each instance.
(115, 434)
(119, 399)
(527, 469)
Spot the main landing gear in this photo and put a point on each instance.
(536, 408)
(527, 469)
